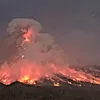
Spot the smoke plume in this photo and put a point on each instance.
(28, 55)
(26, 50)
(42, 47)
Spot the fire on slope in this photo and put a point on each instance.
(30, 75)
(29, 72)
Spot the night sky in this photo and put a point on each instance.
(75, 24)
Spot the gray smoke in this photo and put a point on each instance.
(42, 48)
(23, 23)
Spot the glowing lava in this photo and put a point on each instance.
(29, 72)
(57, 84)
(28, 35)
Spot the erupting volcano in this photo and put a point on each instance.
(29, 56)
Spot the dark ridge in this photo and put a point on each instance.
(19, 91)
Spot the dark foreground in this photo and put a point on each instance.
(19, 91)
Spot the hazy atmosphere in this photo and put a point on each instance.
(75, 24)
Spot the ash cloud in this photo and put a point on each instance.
(80, 46)
(42, 48)
(19, 58)
(20, 23)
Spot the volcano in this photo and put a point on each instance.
(31, 62)
(29, 56)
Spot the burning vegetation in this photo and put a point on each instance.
(29, 56)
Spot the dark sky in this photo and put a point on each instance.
(75, 24)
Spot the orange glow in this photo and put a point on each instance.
(30, 72)
(57, 84)
(27, 80)
(79, 76)
(27, 36)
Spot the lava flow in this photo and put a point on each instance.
(38, 61)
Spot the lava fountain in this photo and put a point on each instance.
(36, 56)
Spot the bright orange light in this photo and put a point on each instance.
(25, 78)
(30, 72)
(56, 84)
(27, 36)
